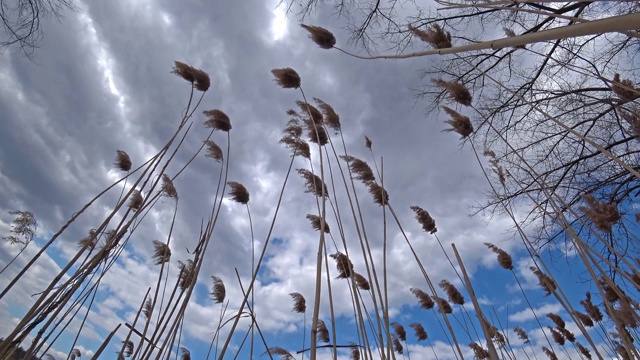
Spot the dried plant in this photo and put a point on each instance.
(88, 241)
(161, 252)
(424, 300)
(217, 120)
(584, 351)
(504, 259)
(361, 282)
(238, 192)
(299, 303)
(343, 265)
(354, 352)
(602, 215)
(147, 309)
(293, 128)
(167, 188)
(584, 319)
(323, 332)
(198, 78)
(123, 162)
(634, 121)
(359, 168)
(316, 223)
(276, 350)
(435, 36)
(380, 195)
(313, 183)
(457, 91)
(367, 142)
(76, 353)
(311, 113)
(186, 354)
(397, 345)
(556, 335)
(135, 200)
(287, 78)
(419, 331)
(478, 352)
(187, 274)
(297, 145)
(331, 118)
(423, 217)
(592, 310)
(218, 290)
(522, 335)
(443, 305)
(556, 320)
(213, 150)
(317, 134)
(547, 284)
(23, 227)
(399, 331)
(128, 348)
(321, 36)
(496, 167)
(550, 354)
(567, 334)
(459, 123)
(624, 89)
(454, 295)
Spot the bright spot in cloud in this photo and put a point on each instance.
(279, 22)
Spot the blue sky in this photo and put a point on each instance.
(101, 81)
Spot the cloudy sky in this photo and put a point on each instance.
(101, 81)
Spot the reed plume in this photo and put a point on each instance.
(343, 265)
(380, 195)
(584, 319)
(311, 112)
(76, 353)
(213, 151)
(167, 188)
(624, 89)
(88, 241)
(478, 352)
(592, 310)
(603, 216)
(504, 259)
(361, 282)
(547, 283)
(161, 252)
(317, 134)
(293, 128)
(198, 78)
(297, 146)
(434, 36)
(135, 200)
(454, 295)
(147, 309)
(550, 354)
(238, 192)
(354, 353)
(424, 300)
(456, 91)
(218, 290)
(123, 162)
(217, 120)
(567, 334)
(459, 123)
(331, 118)
(359, 168)
(287, 78)
(399, 331)
(128, 348)
(443, 304)
(276, 350)
(633, 118)
(556, 335)
(323, 332)
(299, 303)
(397, 345)
(423, 217)
(321, 36)
(313, 184)
(316, 223)
(186, 354)
(187, 274)
(367, 142)
(584, 351)
(522, 335)
(556, 320)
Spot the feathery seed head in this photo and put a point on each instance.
(478, 352)
(198, 78)
(321, 36)
(424, 300)
(624, 89)
(331, 118)
(584, 351)
(593, 311)
(434, 36)
(557, 336)
(323, 332)
(504, 259)
(361, 282)
(128, 348)
(123, 161)
(556, 320)
(217, 120)
(550, 353)
(359, 168)
(316, 223)
(167, 188)
(423, 217)
(313, 183)
(317, 134)
(399, 330)
(443, 305)
(603, 216)
(299, 303)
(161, 252)
(135, 200)
(454, 295)
(456, 91)
(186, 354)
(276, 350)
(459, 123)
(547, 283)
(218, 291)
(584, 319)
(522, 335)
(380, 195)
(310, 112)
(354, 352)
(367, 142)
(147, 310)
(343, 265)
(419, 331)
(238, 192)
(297, 146)
(397, 345)
(287, 78)
(213, 150)
(187, 274)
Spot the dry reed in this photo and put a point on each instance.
(218, 290)
(456, 91)
(238, 192)
(123, 162)
(321, 36)
(435, 36)
(287, 78)
(299, 303)
(217, 120)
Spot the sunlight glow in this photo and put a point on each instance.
(279, 23)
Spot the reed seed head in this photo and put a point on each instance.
(380, 195)
(317, 134)
(323, 332)
(550, 354)
(624, 89)
(311, 112)
(419, 331)
(361, 282)
(522, 335)
(313, 183)
(454, 295)
(399, 330)
(123, 161)
(459, 123)
(89, 241)
(198, 78)
(567, 334)
(633, 118)
(217, 120)
(556, 320)
(321, 36)
(478, 352)
(128, 348)
(547, 284)
(367, 142)
(343, 265)
(592, 310)
(603, 216)
(167, 188)
(276, 350)
(186, 354)
(161, 252)
(187, 274)
(331, 118)
(359, 168)
(456, 91)
(218, 290)
(443, 305)
(316, 223)
(293, 129)
(424, 300)
(584, 351)
(397, 345)
(238, 192)
(297, 146)
(504, 259)
(423, 217)
(434, 36)
(147, 309)
(213, 150)
(135, 200)
(354, 353)
(299, 303)
(287, 78)
(584, 319)
(557, 336)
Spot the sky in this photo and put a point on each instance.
(101, 81)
